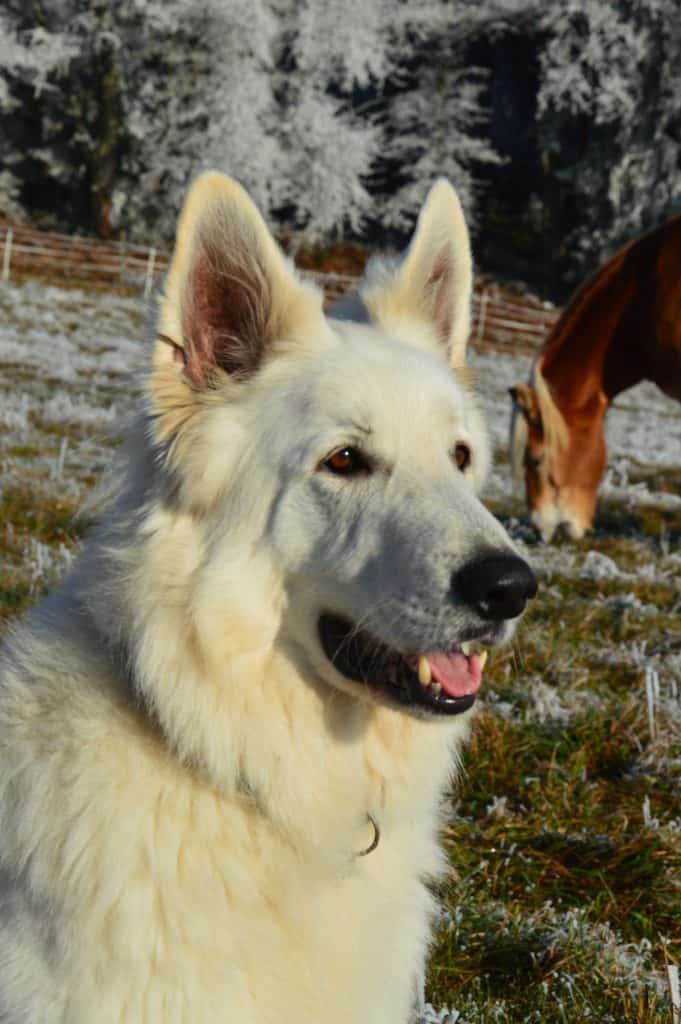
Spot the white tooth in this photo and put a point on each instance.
(425, 675)
(483, 658)
(466, 647)
(436, 689)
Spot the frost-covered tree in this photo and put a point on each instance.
(29, 61)
(338, 115)
(60, 104)
(609, 111)
(376, 108)
(199, 92)
(112, 106)
(328, 145)
(378, 104)
(436, 118)
(434, 129)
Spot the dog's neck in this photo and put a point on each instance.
(348, 801)
(204, 671)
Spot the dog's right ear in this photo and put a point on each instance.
(229, 291)
(433, 284)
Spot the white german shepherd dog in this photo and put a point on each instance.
(224, 739)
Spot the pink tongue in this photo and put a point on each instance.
(458, 675)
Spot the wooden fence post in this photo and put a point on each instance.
(674, 992)
(123, 260)
(6, 256)
(482, 310)
(149, 282)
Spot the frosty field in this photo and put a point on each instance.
(565, 832)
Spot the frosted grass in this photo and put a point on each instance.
(70, 363)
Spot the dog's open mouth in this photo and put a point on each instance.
(441, 682)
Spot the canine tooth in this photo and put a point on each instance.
(436, 689)
(466, 647)
(483, 658)
(425, 675)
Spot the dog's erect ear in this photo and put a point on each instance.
(525, 398)
(229, 289)
(434, 281)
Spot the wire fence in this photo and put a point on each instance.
(502, 319)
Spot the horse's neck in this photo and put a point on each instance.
(622, 327)
(593, 357)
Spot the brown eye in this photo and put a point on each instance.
(346, 462)
(462, 457)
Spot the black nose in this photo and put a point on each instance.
(498, 586)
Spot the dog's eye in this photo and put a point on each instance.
(347, 462)
(462, 456)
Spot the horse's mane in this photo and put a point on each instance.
(518, 444)
(583, 299)
(556, 434)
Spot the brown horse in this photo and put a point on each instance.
(623, 325)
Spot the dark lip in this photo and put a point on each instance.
(362, 658)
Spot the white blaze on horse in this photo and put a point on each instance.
(622, 326)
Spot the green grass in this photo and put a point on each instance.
(29, 517)
(564, 905)
(49, 518)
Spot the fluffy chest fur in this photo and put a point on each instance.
(170, 900)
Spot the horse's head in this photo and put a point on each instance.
(560, 459)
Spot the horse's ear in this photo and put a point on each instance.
(525, 398)
(434, 282)
(229, 289)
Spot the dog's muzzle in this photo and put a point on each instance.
(495, 587)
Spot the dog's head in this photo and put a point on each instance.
(331, 463)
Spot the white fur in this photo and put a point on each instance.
(186, 780)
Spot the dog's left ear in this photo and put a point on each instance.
(434, 282)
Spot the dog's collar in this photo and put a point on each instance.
(375, 841)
